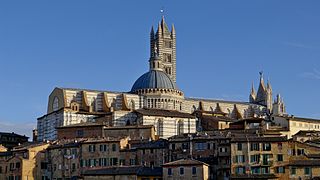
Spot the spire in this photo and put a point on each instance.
(278, 98)
(253, 91)
(261, 94)
(159, 32)
(164, 26)
(261, 81)
(252, 97)
(152, 31)
(173, 30)
(269, 85)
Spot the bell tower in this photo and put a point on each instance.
(165, 40)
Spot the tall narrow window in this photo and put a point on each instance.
(180, 127)
(160, 128)
(55, 105)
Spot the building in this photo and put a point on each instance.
(23, 162)
(186, 169)
(10, 140)
(209, 147)
(258, 157)
(98, 130)
(154, 99)
(295, 124)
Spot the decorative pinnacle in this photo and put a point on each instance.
(261, 74)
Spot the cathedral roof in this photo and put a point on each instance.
(154, 79)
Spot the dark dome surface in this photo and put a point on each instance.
(154, 79)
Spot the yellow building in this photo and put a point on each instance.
(186, 169)
(24, 162)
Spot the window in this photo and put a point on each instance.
(240, 170)
(160, 128)
(167, 44)
(181, 171)
(279, 157)
(180, 127)
(255, 158)
(55, 105)
(167, 57)
(18, 165)
(239, 146)
(103, 147)
(102, 161)
(293, 171)
(74, 151)
(307, 171)
(255, 170)
(280, 170)
(200, 146)
(265, 170)
(92, 162)
(114, 161)
(194, 170)
(240, 159)
(80, 133)
(266, 146)
(132, 162)
(0, 169)
(114, 147)
(173, 146)
(254, 147)
(92, 148)
(223, 149)
(266, 159)
(168, 70)
(300, 152)
(169, 171)
(11, 166)
(73, 167)
(280, 146)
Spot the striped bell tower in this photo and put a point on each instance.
(165, 40)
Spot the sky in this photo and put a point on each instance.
(104, 45)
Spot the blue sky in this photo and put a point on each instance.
(104, 45)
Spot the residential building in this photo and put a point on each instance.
(186, 169)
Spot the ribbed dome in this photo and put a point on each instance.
(154, 79)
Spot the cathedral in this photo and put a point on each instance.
(154, 99)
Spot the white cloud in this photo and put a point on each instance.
(315, 74)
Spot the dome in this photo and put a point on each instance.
(154, 79)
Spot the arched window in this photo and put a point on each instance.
(160, 128)
(180, 127)
(132, 105)
(74, 106)
(93, 104)
(55, 105)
